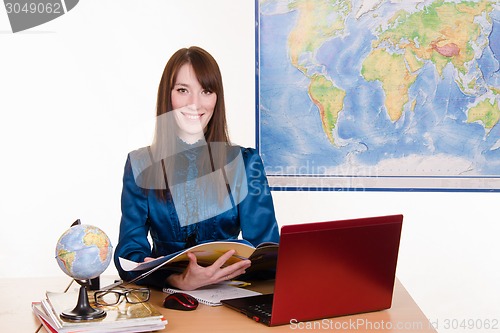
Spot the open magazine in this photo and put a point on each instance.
(263, 257)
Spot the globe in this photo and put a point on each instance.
(83, 252)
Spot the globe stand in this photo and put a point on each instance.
(83, 310)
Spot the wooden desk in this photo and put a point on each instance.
(17, 294)
(404, 316)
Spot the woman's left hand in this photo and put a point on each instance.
(196, 276)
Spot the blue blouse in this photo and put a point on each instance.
(144, 213)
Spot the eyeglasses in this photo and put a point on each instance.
(113, 297)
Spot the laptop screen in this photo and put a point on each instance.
(336, 268)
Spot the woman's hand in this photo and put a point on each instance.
(196, 276)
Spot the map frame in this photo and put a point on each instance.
(322, 182)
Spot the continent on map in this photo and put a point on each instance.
(318, 22)
(443, 33)
(396, 79)
(329, 100)
(486, 113)
(67, 258)
(93, 237)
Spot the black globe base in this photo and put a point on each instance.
(83, 311)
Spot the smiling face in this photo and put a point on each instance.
(192, 105)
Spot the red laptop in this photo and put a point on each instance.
(329, 269)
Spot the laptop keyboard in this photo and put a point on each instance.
(264, 309)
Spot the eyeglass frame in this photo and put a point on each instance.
(121, 293)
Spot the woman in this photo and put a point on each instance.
(191, 186)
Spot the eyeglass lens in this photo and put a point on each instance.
(112, 297)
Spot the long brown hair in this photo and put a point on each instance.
(209, 76)
(208, 73)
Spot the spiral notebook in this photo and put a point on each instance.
(213, 294)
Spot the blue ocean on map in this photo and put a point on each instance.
(291, 137)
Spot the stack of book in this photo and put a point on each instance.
(122, 317)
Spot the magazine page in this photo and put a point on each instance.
(206, 254)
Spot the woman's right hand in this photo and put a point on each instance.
(196, 276)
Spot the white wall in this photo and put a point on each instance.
(78, 93)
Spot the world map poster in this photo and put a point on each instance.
(379, 94)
